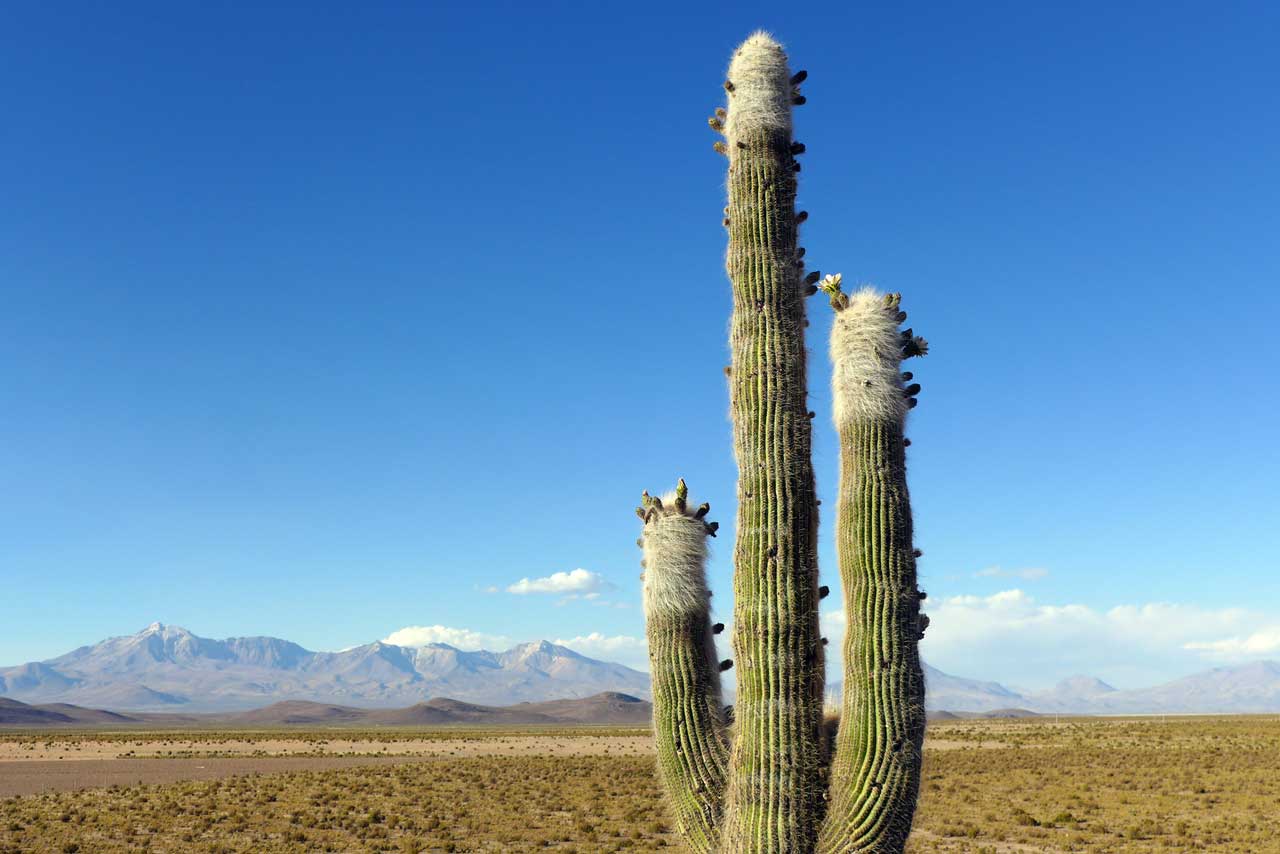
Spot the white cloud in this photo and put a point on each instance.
(1011, 638)
(1030, 573)
(1265, 641)
(579, 582)
(461, 638)
(625, 649)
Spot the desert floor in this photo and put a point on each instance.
(1027, 785)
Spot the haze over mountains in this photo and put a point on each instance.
(1245, 689)
(167, 668)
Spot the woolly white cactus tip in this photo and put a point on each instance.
(760, 91)
(675, 557)
(866, 357)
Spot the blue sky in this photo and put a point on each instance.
(324, 321)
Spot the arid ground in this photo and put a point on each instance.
(1027, 785)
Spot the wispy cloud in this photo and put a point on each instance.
(625, 649)
(1012, 638)
(461, 638)
(1031, 573)
(569, 586)
(1265, 641)
(581, 582)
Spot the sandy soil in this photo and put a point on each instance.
(52, 775)
(32, 766)
(175, 748)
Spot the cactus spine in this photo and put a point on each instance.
(761, 785)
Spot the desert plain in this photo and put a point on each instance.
(990, 786)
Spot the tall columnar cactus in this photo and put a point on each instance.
(875, 773)
(764, 778)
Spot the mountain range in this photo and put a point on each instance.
(1244, 689)
(606, 708)
(167, 668)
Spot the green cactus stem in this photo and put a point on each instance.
(759, 786)
(875, 771)
(774, 798)
(688, 712)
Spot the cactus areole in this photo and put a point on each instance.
(765, 776)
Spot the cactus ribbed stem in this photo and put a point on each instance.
(762, 787)
(688, 711)
(875, 773)
(774, 797)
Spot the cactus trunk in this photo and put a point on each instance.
(761, 788)
(774, 797)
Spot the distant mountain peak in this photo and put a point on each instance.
(164, 664)
(1082, 685)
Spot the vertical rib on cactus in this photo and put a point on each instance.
(774, 798)
(875, 773)
(688, 715)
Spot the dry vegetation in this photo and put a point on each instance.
(1139, 785)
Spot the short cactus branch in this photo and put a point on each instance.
(875, 772)
(688, 711)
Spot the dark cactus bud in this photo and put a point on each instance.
(727, 664)
(824, 591)
(717, 628)
(917, 346)
(799, 77)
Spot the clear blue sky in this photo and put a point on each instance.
(321, 320)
